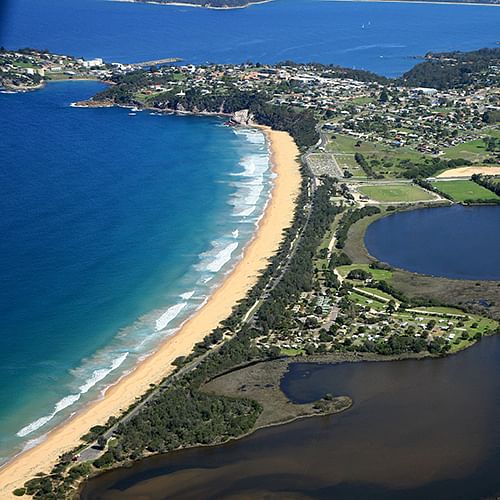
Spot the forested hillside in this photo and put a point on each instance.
(453, 69)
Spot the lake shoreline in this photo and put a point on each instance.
(417, 285)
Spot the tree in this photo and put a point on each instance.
(102, 442)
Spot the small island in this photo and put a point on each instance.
(206, 4)
(239, 4)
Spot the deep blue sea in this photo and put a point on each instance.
(452, 242)
(114, 228)
(382, 37)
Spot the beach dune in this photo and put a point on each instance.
(278, 216)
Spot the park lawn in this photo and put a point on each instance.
(388, 156)
(379, 293)
(465, 190)
(378, 274)
(441, 310)
(390, 193)
(484, 325)
(471, 150)
(292, 352)
(492, 131)
(367, 301)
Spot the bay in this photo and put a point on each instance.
(115, 228)
(381, 37)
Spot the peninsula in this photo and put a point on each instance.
(369, 146)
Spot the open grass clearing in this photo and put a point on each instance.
(393, 193)
(378, 274)
(367, 301)
(378, 293)
(465, 190)
(440, 310)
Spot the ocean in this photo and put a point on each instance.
(115, 228)
(382, 37)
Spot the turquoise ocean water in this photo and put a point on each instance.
(115, 228)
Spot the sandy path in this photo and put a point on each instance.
(278, 215)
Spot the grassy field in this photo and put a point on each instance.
(465, 190)
(474, 150)
(378, 274)
(386, 157)
(391, 193)
(378, 293)
(367, 301)
(440, 310)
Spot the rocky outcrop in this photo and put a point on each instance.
(243, 117)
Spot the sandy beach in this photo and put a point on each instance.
(278, 215)
(468, 171)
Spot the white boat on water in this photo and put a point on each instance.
(132, 114)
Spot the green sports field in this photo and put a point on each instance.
(465, 190)
(393, 193)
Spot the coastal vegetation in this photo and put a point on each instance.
(349, 218)
(491, 183)
(322, 294)
(452, 69)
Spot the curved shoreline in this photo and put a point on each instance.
(278, 215)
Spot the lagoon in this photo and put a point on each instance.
(452, 242)
(418, 429)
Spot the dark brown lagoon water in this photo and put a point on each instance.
(418, 429)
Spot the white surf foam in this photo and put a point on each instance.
(222, 257)
(60, 405)
(251, 135)
(170, 314)
(187, 295)
(71, 399)
(101, 373)
(246, 212)
(31, 443)
(235, 233)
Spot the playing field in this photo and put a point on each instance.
(465, 190)
(392, 193)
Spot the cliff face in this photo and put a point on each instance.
(243, 117)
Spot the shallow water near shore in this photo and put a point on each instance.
(452, 242)
(418, 429)
(115, 229)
